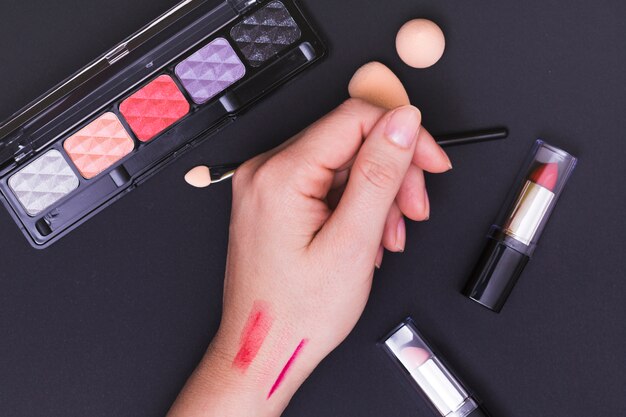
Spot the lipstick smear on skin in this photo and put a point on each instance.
(253, 335)
(283, 373)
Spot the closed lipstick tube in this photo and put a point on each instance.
(513, 238)
(428, 374)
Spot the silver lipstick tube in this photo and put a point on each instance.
(437, 384)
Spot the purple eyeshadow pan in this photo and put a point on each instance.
(210, 71)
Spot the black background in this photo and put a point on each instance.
(111, 320)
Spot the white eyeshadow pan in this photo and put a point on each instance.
(43, 182)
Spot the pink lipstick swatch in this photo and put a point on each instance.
(290, 362)
(254, 333)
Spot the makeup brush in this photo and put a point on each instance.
(465, 138)
(203, 176)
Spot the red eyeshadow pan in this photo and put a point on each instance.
(154, 108)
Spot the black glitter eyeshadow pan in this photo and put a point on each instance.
(265, 33)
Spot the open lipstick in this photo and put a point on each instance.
(513, 239)
(428, 374)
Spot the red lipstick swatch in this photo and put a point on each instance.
(546, 175)
(290, 362)
(254, 333)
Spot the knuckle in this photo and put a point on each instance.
(242, 174)
(267, 175)
(379, 172)
(352, 106)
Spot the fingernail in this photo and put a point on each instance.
(401, 235)
(379, 257)
(447, 158)
(403, 126)
(427, 204)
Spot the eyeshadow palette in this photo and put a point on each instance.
(114, 124)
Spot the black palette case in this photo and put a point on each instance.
(107, 129)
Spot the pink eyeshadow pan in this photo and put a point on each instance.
(99, 145)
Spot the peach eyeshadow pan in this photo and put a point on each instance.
(99, 145)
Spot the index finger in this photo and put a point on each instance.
(327, 145)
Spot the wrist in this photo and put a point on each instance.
(217, 388)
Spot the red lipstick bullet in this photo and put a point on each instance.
(546, 175)
(533, 203)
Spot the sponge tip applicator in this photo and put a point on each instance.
(199, 177)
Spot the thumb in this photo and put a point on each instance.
(358, 222)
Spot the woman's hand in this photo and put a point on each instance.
(309, 222)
